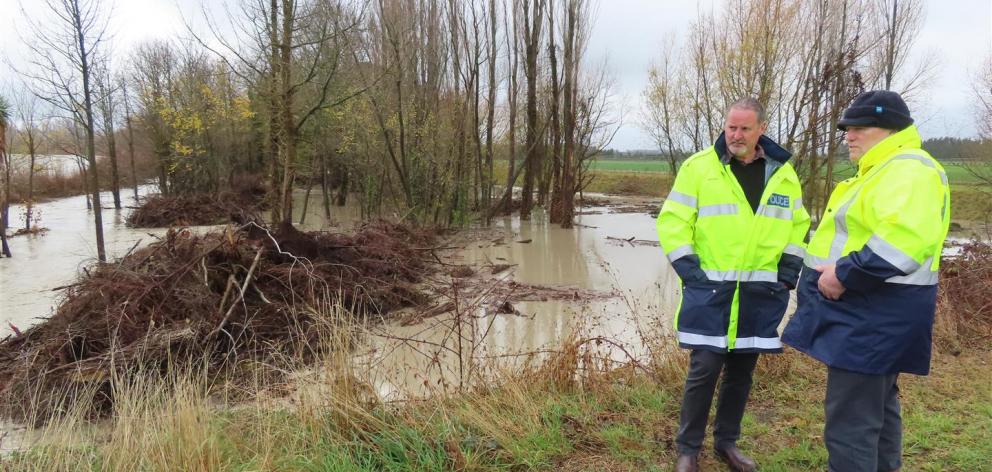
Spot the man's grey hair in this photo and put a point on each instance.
(750, 103)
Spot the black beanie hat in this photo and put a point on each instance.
(877, 108)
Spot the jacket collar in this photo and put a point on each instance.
(772, 149)
(908, 138)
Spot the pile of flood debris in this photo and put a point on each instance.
(226, 299)
(965, 300)
(246, 196)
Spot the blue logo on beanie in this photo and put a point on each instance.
(878, 109)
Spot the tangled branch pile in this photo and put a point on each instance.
(179, 302)
(195, 209)
(964, 314)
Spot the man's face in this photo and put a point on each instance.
(742, 130)
(862, 138)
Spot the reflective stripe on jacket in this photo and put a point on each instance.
(736, 264)
(884, 229)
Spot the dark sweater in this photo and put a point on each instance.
(752, 179)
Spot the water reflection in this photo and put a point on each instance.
(410, 360)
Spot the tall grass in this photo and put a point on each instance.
(573, 407)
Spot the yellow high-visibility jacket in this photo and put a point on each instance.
(736, 264)
(884, 229)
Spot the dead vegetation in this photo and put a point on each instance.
(964, 311)
(227, 300)
(197, 209)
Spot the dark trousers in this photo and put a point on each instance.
(863, 430)
(705, 368)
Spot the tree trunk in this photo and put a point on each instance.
(324, 189)
(130, 140)
(342, 196)
(491, 116)
(4, 193)
(290, 131)
(555, 212)
(890, 51)
(29, 204)
(275, 138)
(532, 162)
(84, 67)
(513, 61)
(115, 185)
(306, 200)
(568, 186)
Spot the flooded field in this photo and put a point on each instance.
(606, 277)
(524, 287)
(502, 295)
(44, 262)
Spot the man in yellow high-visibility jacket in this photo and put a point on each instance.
(733, 229)
(868, 293)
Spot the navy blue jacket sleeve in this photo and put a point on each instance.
(864, 270)
(689, 269)
(788, 270)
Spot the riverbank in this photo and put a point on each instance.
(524, 385)
(575, 407)
(568, 413)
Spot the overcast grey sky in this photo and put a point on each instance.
(628, 34)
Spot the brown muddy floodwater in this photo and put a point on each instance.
(606, 278)
(624, 291)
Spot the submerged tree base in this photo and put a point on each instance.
(228, 301)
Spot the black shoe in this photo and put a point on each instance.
(735, 459)
(687, 463)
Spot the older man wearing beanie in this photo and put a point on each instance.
(868, 291)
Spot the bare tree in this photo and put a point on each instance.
(533, 20)
(981, 168)
(31, 136)
(107, 106)
(663, 107)
(513, 33)
(897, 30)
(493, 39)
(130, 134)
(63, 50)
(155, 68)
(291, 46)
(804, 59)
(555, 119)
(982, 87)
(5, 173)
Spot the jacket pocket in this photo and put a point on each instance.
(762, 305)
(706, 307)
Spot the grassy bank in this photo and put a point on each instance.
(956, 173)
(563, 415)
(970, 201)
